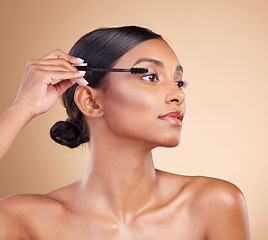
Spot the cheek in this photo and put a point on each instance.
(129, 111)
(132, 112)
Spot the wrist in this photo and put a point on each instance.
(21, 111)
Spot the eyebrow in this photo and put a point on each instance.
(156, 62)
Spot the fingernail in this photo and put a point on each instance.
(85, 81)
(82, 72)
(80, 59)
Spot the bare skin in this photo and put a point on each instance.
(122, 195)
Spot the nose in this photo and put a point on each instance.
(175, 95)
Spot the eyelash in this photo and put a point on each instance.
(180, 84)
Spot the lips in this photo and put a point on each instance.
(173, 117)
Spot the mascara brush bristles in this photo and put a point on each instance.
(138, 70)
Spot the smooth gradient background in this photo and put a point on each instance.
(222, 46)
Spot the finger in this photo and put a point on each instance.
(41, 66)
(60, 54)
(62, 86)
(50, 62)
(81, 81)
(50, 76)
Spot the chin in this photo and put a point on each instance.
(169, 139)
(169, 143)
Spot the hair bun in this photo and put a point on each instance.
(67, 134)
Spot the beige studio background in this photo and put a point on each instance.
(222, 46)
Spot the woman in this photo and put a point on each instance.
(124, 116)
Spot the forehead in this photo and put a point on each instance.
(153, 48)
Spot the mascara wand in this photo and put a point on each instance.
(89, 70)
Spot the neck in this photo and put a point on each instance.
(120, 176)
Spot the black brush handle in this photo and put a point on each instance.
(83, 68)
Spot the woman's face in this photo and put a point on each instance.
(134, 103)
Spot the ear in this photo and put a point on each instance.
(87, 100)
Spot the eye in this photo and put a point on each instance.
(150, 77)
(181, 84)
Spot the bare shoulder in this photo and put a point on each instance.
(223, 206)
(19, 214)
(222, 202)
(219, 204)
(20, 204)
(215, 191)
(205, 189)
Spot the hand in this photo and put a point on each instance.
(37, 93)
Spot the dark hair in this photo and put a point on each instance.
(100, 48)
